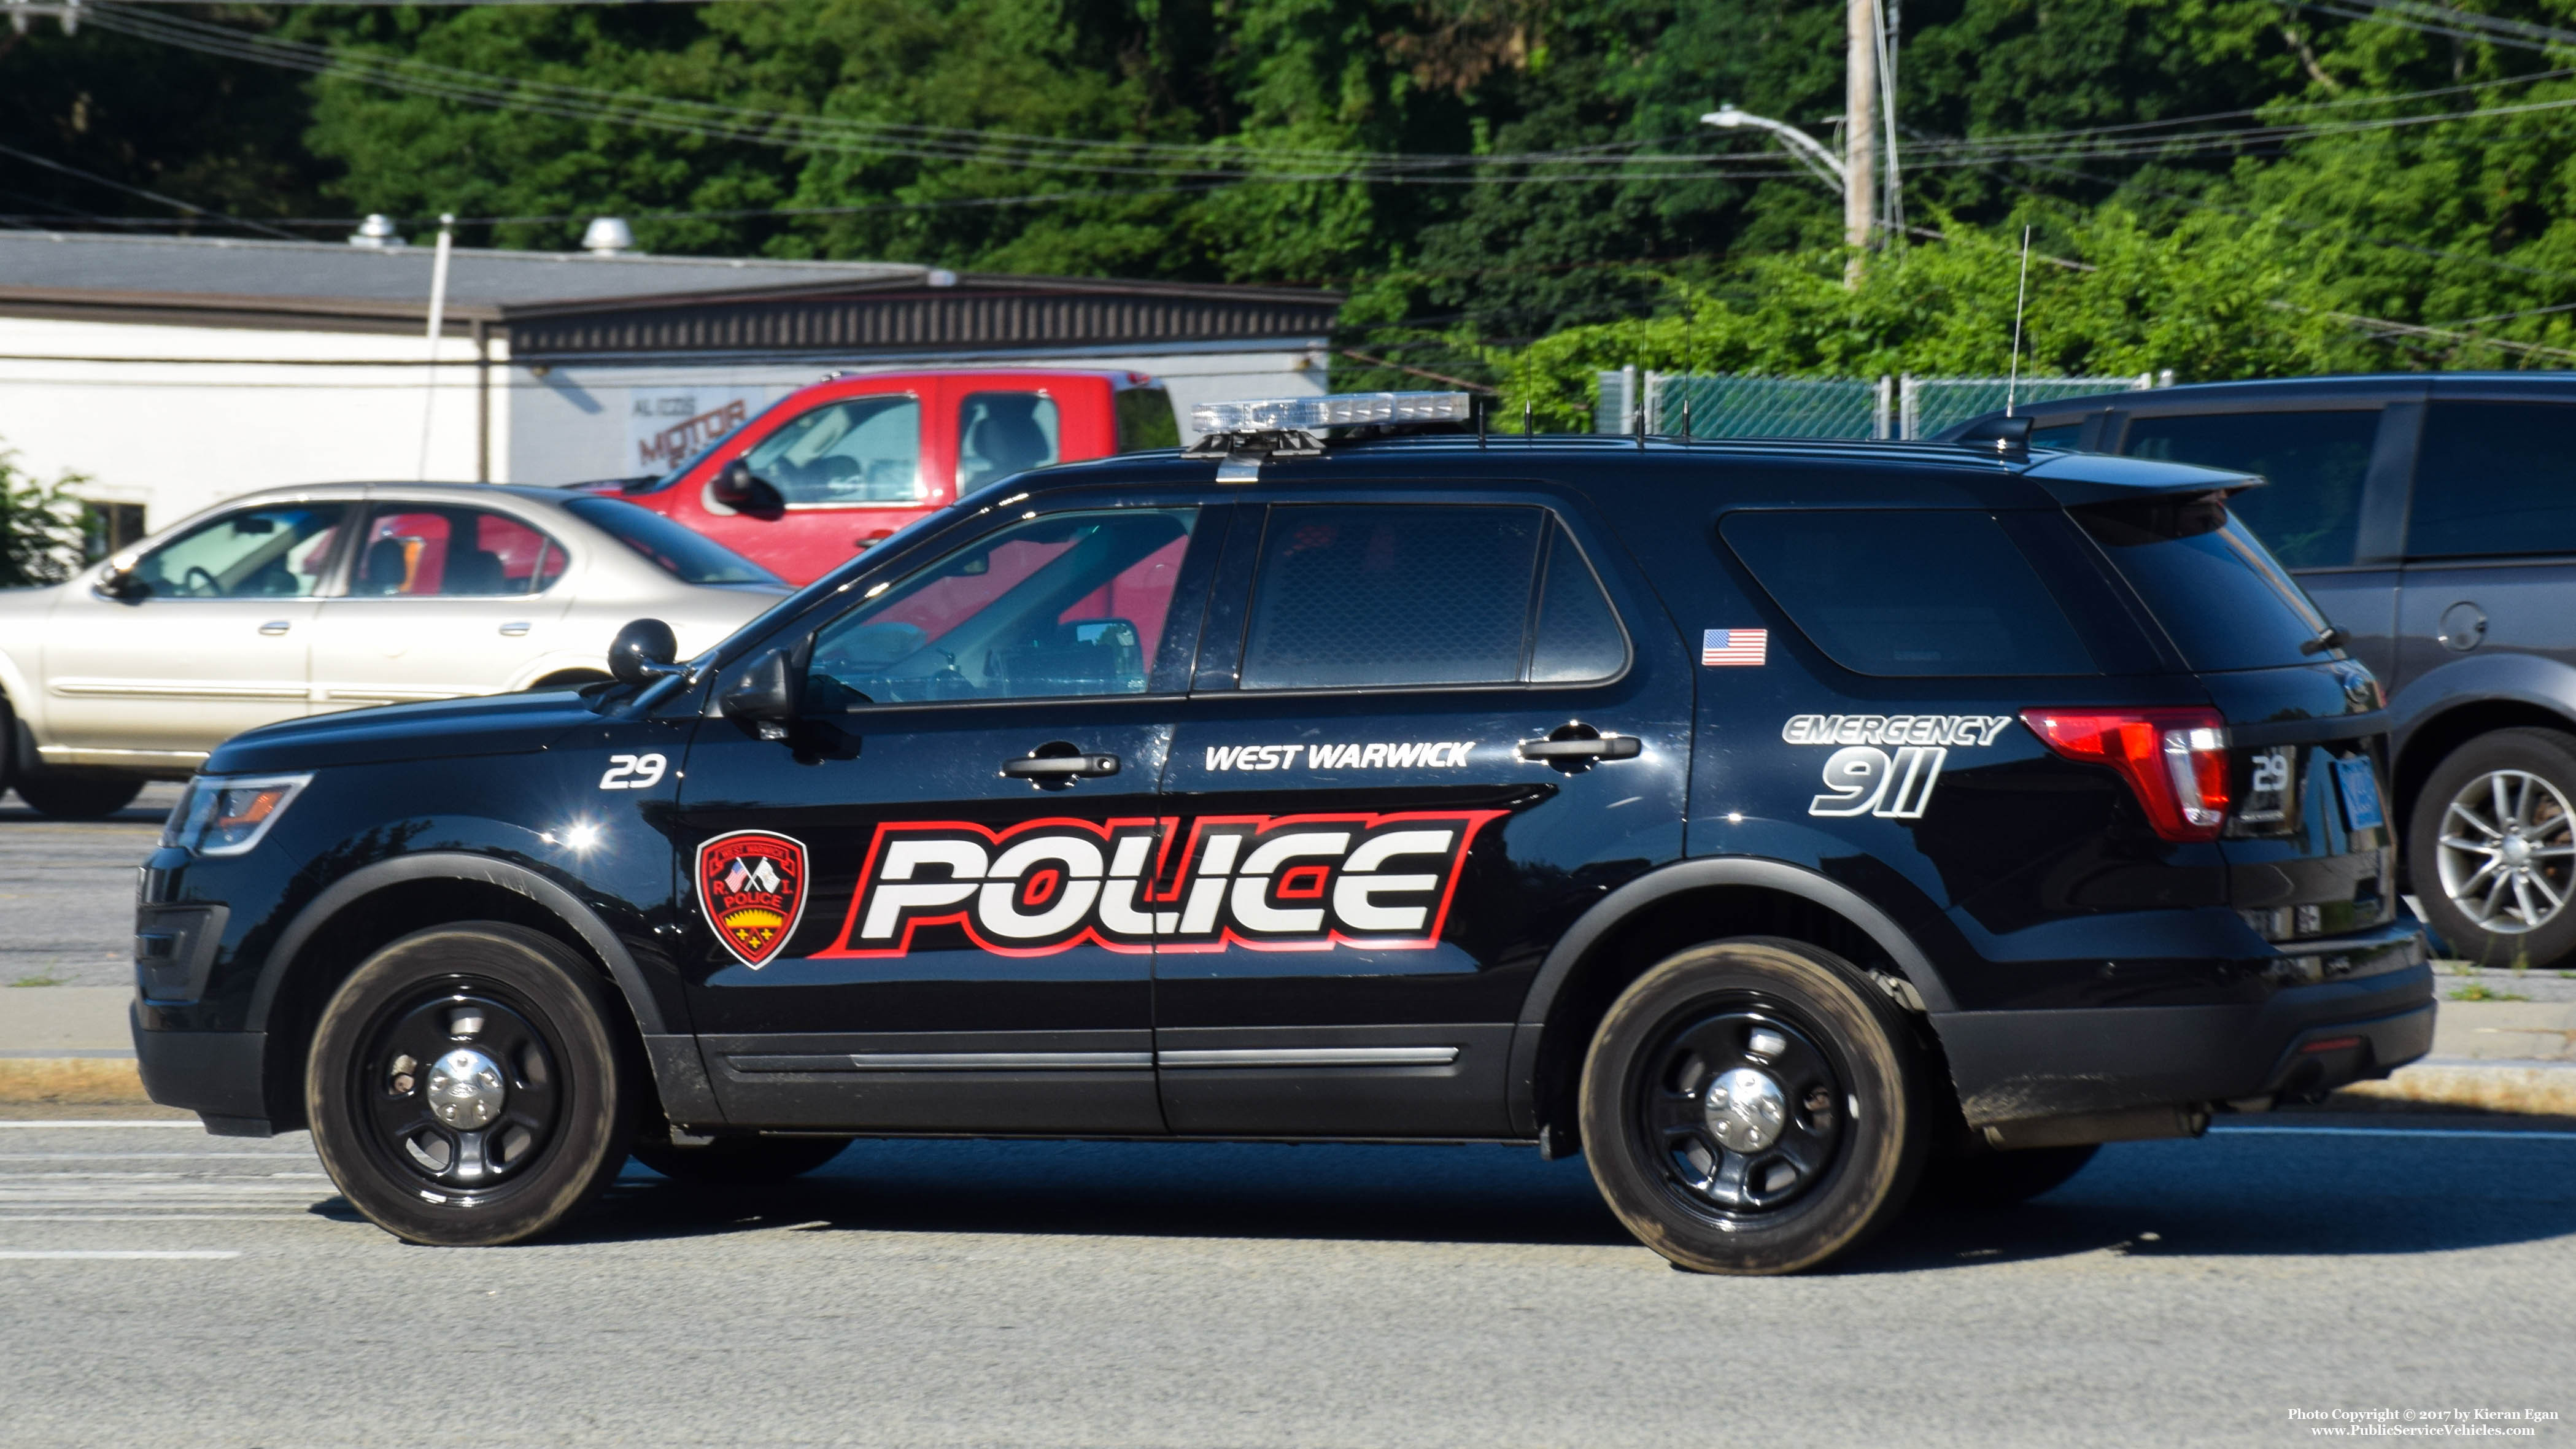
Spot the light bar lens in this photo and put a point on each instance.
(1340, 410)
(228, 816)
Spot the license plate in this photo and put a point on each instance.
(2360, 791)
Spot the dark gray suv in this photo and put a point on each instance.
(2433, 517)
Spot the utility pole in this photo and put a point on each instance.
(1860, 128)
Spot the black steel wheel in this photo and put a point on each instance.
(739, 1160)
(1753, 1106)
(77, 794)
(467, 1085)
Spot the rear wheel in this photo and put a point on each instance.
(742, 1160)
(76, 794)
(1753, 1106)
(465, 1085)
(2492, 848)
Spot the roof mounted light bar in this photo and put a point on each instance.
(1249, 433)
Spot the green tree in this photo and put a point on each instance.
(42, 525)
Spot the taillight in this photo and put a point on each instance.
(2174, 759)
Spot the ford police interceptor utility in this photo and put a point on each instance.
(1784, 826)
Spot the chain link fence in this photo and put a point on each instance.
(1727, 405)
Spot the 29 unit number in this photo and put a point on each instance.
(633, 772)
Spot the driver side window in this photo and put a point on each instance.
(859, 450)
(1067, 605)
(276, 552)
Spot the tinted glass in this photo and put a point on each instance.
(1359, 596)
(1072, 604)
(2494, 478)
(859, 450)
(1578, 634)
(1001, 433)
(1910, 592)
(2312, 464)
(278, 552)
(453, 551)
(2214, 587)
(1146, 420)
(691, 558)
(2061, 437)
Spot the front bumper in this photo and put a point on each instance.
(219, 1075)
(2019, 1066)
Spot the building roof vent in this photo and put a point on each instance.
(608, 236)
(377, 232)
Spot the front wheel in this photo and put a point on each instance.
(2491, 850)
(466, 1085)
(1753, 1106)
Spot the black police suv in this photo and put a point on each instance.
(1772, 823)
(2433, 518)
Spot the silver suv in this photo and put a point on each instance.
(301, 601)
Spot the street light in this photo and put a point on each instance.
(1809, 151)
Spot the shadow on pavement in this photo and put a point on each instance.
(2231, 1194)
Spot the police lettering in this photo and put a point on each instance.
(1406, 755)
(1894, 729)
(1278, 883)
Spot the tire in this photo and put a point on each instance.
(77, 794)
(536, 1117)
(8, 744)
(1845, 1087)
(2537, 771)
(1982, 1179)
(740, 1161)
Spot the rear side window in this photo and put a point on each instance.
(2494, 478)
(2221, 596)
(692, 558)
(1001, 433)
(1910, 591)
(1146, 420)
(2313, 463)
(1386, 596)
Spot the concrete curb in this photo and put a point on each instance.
(64, 1081)
(2544, 1088)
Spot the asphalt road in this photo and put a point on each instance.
(1069, 1294)
(67, 891)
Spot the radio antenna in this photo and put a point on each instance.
(2021, 295)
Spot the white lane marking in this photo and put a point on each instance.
(156, 1157)
(110, 1122)
(92, 1254)
(2484, 1132)
(16, 1217)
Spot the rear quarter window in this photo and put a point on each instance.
(1910, 591)
(2220, 595)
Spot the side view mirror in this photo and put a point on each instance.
(121, 583)
(767, 693)
(743, 491)
(644, 650)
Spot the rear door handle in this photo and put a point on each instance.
(1608, 747)
(276, 626)
(1058, 767)
(514, 628)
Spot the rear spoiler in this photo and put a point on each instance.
(2079, 478)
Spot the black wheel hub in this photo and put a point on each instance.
(458, 1088)
(1742, 1109)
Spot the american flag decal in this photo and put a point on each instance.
(1734, 646)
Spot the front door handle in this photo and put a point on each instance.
(1606, 747)
(1059, 767)
(276, 626)
(516, 628)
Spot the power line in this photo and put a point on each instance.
(92, 176)
(2444, 21)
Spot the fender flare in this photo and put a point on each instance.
(458, 865)
(1689, 875)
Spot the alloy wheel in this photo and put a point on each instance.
(2508, 851)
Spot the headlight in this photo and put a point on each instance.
(227, 815)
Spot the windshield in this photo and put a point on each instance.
(689, 557)
(2222, 596)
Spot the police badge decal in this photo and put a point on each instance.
(752, 886)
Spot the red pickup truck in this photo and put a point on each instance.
(831, 469)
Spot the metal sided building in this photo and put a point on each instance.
(174, 372)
